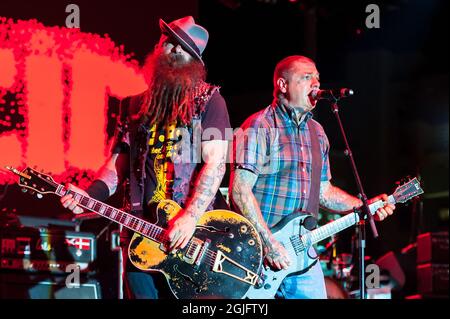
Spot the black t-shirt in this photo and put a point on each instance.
(159, 167)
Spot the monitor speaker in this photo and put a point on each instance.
(28, 286)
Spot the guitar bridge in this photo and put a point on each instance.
(250, 277)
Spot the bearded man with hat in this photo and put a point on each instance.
(154, 159)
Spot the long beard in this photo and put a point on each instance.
(172, 87)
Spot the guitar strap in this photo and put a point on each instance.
(316, 170)
(137, 133)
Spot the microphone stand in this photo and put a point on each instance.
(365, 211)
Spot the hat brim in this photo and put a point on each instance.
(166, 28)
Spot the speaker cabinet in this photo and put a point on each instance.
(28, 286)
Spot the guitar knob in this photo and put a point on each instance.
(267, 286)
(39, 195)
(260, 282)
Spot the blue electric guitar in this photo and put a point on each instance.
(297, 240)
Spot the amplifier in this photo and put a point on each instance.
(432, 278)
(432, 247)
(46, 250)
(41, 286)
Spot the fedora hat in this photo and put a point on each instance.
(191, 36)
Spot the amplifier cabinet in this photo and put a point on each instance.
(46, 250)
(432, 247)
(40, 286)
(432, 278)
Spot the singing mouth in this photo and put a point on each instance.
(312, 101)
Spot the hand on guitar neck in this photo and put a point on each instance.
(386, 210)
(69, 202)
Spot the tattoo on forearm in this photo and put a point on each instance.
(336, 199)
(208, 183)
(110, 178)
(242, 196)
(108, 174)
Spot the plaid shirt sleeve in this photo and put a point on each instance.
(251, 145)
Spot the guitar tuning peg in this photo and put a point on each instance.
(403, 180)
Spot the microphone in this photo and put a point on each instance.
(331, 95)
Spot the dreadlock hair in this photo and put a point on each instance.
(172, 87)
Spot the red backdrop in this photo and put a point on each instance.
(56, 85)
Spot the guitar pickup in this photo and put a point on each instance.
(202, 252)
(195, 251)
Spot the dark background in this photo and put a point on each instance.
(397, 121)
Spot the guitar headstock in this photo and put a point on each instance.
(34, 180)
(407, 190)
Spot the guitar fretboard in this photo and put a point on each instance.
(342, 223)
(137, 225)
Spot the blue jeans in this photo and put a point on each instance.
(310, 285)
(142, 285)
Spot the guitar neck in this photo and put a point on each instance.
(342, 223)
(129, 221)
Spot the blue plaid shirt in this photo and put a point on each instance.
(272, 145)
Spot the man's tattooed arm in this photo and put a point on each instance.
(182, 226)
(243, 197)
(337, 200)
(108, 174)
(209, 178)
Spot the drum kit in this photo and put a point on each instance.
(337, 269)
(341, 274)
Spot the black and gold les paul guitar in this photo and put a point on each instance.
(221, 260)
